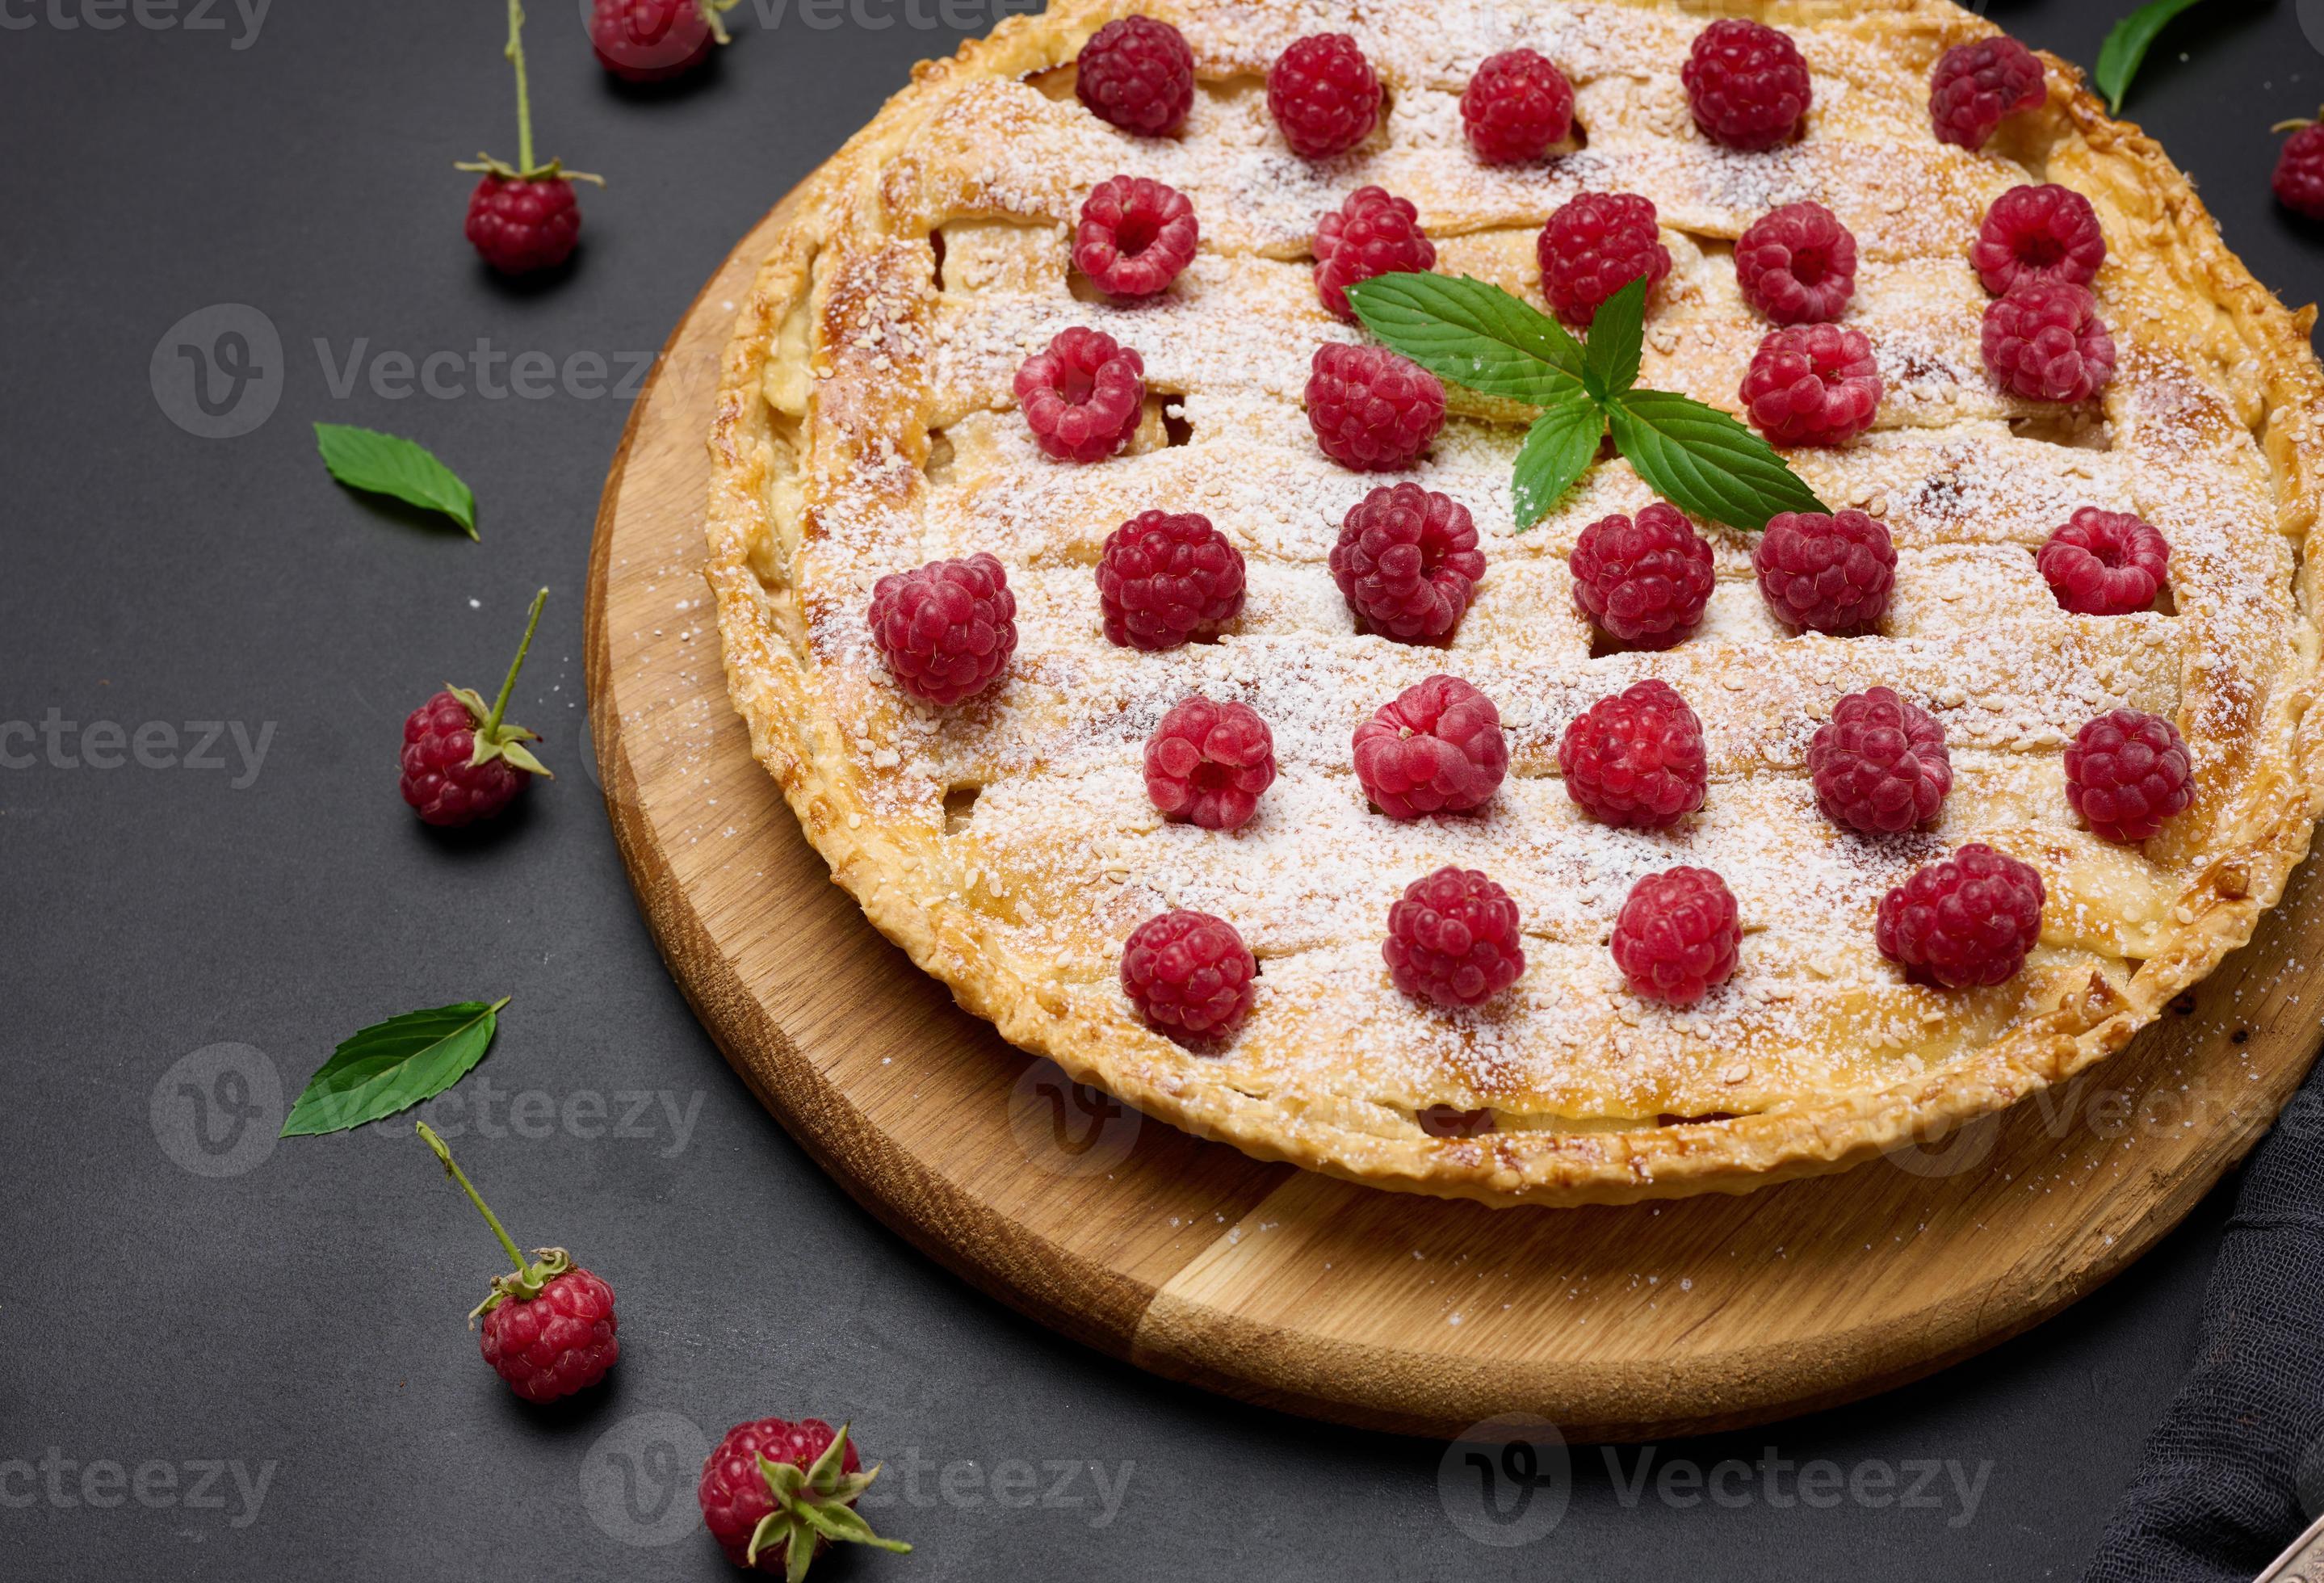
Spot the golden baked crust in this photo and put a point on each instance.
(865, 425)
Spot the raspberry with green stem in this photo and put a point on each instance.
(523, 217)
(463, 762)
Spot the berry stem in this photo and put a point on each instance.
(515, 52)
(508, 1244)
(492, 725)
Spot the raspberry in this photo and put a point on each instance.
(1371, 409)
(2127, 772)
(1636, 760)
(463, 762)
(1437, 749)
(1797, 263)
(1135, 237)
(522, 225)
(1879, 763)
(1515, 107)
(1966, 920)
(1644, 581)
(1747, 85)
(755, 1522)
(2046, 342)
(1083, 396)
(1677, 936)
(1163, 579)
(947, 629)
(1595, 245)
(1189, 973)
(1453, 939)
(1829, 574)
(1324, 94)
(1812, 384)
(2036, 235)
(1974, 85)
(1207, 763)
(549, 1326)
(2103, 563)
(555, 1344)
(1371, 234)
(1407, 562)
(652, 40)
(2299, 181)
(1137, 74)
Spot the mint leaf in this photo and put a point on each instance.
(1705, 462)
(1610, 362)
(389, 464)
(392, 1065)
(1558, 448)
(2126, 47)
(1472, 333)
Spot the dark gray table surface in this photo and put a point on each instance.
(250, 1363)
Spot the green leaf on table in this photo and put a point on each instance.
(392, 1065)
(390, 464)
(1558, 450)
(2126, 47)
(1705, 462)
(1617, 334)
(1472, 333)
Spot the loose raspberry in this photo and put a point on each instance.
(1974, 85)
(1677, 936)
(1371, 234)
(1135, 235)
(1324, 94)
(2104, 563)
(1812, 384)
(548, 1327)
(1407, 562)
(1825, 573)
(1083, 396)
(1637, 759)
(1595, 245)
(522, 225)
(1747, 85)
(2298, 179)
(1437, 749)
(1517, 105)
(1453, 939)
(1207, 763)
(2126, 773)
(2046, 342)
(1645, 580)
(1371, 409)
(1137, 74)
(1969, 920)
(1163, 579)
(653, 40)
(1189, 973)
(2037, 235)
(947, 629)
(1797, 263)
(757, 1517)
(463, 762)
(1879, 763)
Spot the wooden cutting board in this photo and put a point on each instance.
(1294, 1290)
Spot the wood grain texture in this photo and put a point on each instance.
(1294, 1290)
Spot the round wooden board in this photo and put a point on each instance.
(1298, 1290)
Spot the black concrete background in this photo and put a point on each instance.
(264, 1374)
